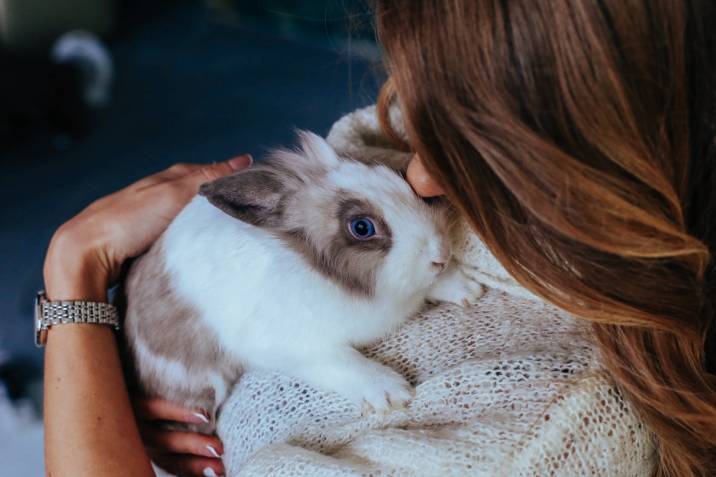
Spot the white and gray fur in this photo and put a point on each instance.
(260, 271)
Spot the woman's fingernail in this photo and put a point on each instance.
(241, 162)
(200, 415)
(209, 472)
(213, 451)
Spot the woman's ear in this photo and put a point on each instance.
(253, 196)
(420, 180)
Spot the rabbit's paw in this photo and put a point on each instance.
(454, 286)
(382, 390)
(368, 384)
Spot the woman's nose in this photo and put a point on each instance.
(420, 180)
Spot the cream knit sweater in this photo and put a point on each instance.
(509, 387)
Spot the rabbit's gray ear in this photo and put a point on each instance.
(252, 196)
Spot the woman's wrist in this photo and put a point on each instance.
(73, 270)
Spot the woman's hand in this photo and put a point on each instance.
(178, 452)
(86, 254)
(85, 257)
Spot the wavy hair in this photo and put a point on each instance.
(577, 137)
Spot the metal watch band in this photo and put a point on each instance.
(51, 313)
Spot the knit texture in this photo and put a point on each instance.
(511, 386)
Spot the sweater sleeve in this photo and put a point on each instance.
(588, 430)
(510, 387)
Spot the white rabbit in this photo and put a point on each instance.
(287, 266)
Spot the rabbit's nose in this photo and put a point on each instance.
(440, 266)
(442, 257)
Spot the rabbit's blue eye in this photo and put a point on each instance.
(362, 228)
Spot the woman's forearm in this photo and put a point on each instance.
(90, 428)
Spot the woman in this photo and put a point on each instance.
(578, 140)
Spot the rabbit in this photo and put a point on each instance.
(288, 266)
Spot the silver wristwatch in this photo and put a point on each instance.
(50, 313)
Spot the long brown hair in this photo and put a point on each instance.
(577, 137)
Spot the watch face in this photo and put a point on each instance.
(38, 319)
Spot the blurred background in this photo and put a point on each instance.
(95, 94)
